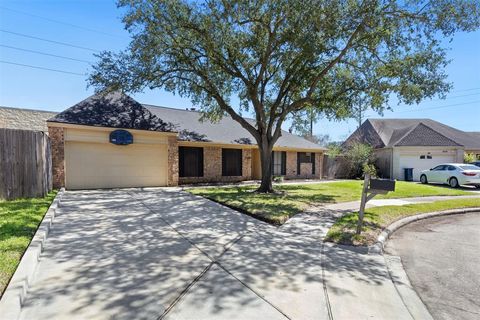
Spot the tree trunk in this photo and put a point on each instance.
(266, 164)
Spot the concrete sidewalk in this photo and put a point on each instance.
(166, 254)
(354, 205)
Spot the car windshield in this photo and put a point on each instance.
(469, 167)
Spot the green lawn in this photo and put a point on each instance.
(378, 218)
(277, 208)
(19, 219)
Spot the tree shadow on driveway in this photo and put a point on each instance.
(139, 253)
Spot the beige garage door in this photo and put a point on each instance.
(102, 165)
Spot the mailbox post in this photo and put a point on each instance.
(372, 187)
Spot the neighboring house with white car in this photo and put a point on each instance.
(419, 144)
(453, 174)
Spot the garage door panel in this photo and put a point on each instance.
(99, 165)
(418, 165)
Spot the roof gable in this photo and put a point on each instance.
(392, 131)
(113, 109)
(367, 134)
(422, 135)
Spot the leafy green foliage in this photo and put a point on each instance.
(369, 169)
(360, 158)
(19, 220)
(284, 58)
(469, 157)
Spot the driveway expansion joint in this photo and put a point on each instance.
(214, 261)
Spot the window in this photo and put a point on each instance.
(451, 168)
(422, 157)
(190, 162)
(429, 156)
(305, 157)
(279, 163)
(231, 162)
(439, 168)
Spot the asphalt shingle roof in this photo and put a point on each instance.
(227, 130)
(118, 110)
(114, 109)
(421, 135)
(421, 132)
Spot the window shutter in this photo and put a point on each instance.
(231, 162)
(313, 163)
(272, 159)
(299, 155)
(181, 160)
(240, 167)
(284, 163)
(190, 162)
(200, 162)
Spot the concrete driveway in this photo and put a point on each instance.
(165, 254)
(441, 258)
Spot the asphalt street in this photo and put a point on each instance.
(441, 257)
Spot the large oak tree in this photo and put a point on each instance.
(278, 58)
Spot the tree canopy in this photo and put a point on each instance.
(276, 58)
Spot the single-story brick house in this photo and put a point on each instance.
(420, 144)
(111, 140)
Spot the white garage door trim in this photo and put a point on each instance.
(413, 161)
(103, 165)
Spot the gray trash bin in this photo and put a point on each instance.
(408, 174)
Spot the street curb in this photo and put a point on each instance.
(385, 235)
(408, 295)
(14, 296)
(395, 269)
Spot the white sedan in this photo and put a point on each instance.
(453, 174)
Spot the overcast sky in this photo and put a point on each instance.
(75, 30)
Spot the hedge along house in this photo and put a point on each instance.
(112, 141)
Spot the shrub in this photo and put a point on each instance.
(370, 169)
(360, 157)
(469, 157)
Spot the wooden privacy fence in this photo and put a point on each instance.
(25, 164)
(335, 167)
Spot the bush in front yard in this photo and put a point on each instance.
(360, 159)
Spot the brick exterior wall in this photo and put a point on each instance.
(14, 118)
(172, 161)
(305, 168)
(212, 167)
(212, 162)
(57, 139)
(291, 165)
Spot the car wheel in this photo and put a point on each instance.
(423, 179)
(453, 182)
